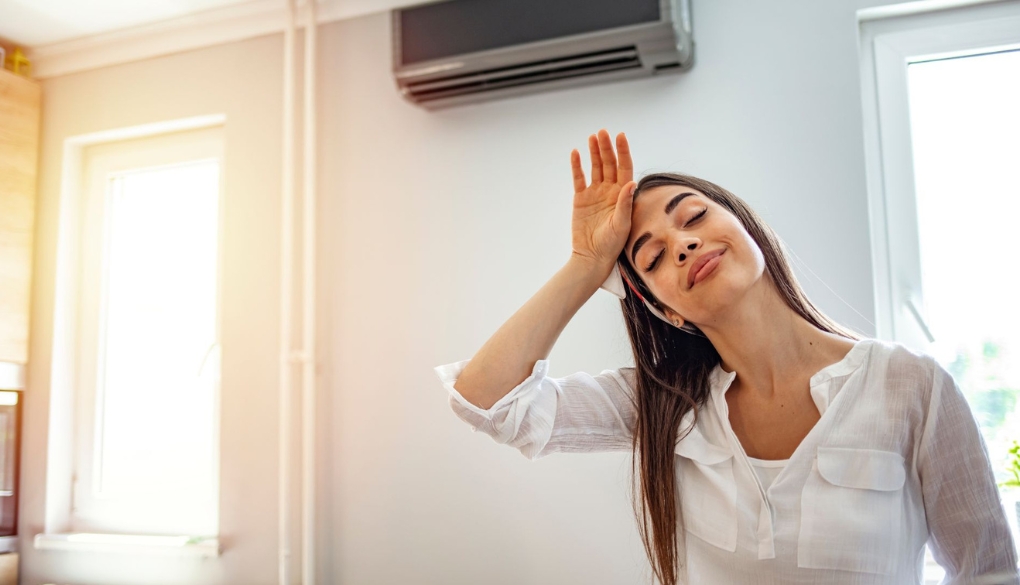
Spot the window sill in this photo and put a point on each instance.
(182, 546)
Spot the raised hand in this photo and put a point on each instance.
(601, 224)
(601, 218)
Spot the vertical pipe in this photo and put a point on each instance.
(286, 278)
(308, 377)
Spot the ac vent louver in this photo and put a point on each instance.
(524, 74)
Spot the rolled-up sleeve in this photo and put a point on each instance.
(969, 534)
(579, 413)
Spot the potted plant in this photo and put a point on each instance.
(1013, 474)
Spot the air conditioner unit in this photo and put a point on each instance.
(464, 51)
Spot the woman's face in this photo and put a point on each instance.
(672, 228)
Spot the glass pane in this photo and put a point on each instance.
(965, 120)
(158, 377)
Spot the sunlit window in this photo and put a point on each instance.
(150, 462)
(965, 121)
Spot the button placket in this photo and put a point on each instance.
(766, 529)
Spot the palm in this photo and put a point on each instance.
(601, 218)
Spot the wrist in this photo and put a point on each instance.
(588, 269)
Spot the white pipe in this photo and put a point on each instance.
(286, 277)
(308, 352)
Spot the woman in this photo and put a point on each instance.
(789, 449)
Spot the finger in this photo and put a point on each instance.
(626, 165)
(596, 160)
(624, 204)
(578, 172)
(608, 157)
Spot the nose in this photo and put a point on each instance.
(682, 245)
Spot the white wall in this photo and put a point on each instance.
(436, 227)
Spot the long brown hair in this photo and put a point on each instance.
(673, 370)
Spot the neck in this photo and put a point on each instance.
(768, 344)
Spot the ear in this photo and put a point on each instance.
(675, 318)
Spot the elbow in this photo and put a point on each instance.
(471, 395)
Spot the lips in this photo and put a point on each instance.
(700, 263)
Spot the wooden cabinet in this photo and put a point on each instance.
(19, 154)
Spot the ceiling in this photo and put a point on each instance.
(35, 23)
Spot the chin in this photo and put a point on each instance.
(721, 292)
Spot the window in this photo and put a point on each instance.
(146, 449)
(964, 121)
(940, 95)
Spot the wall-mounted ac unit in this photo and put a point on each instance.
(463, 51)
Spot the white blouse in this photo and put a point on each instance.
(895, 460)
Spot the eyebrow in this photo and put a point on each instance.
(647, 235)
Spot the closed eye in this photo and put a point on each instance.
(696, 217)
(655, 260)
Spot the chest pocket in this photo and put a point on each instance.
(851, 511)
(707, 492)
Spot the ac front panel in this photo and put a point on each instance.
(442, 30)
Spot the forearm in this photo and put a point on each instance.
(508, 356)
(970, 535)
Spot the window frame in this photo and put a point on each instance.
(890, 40)
(90, 512)
(887, 46)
